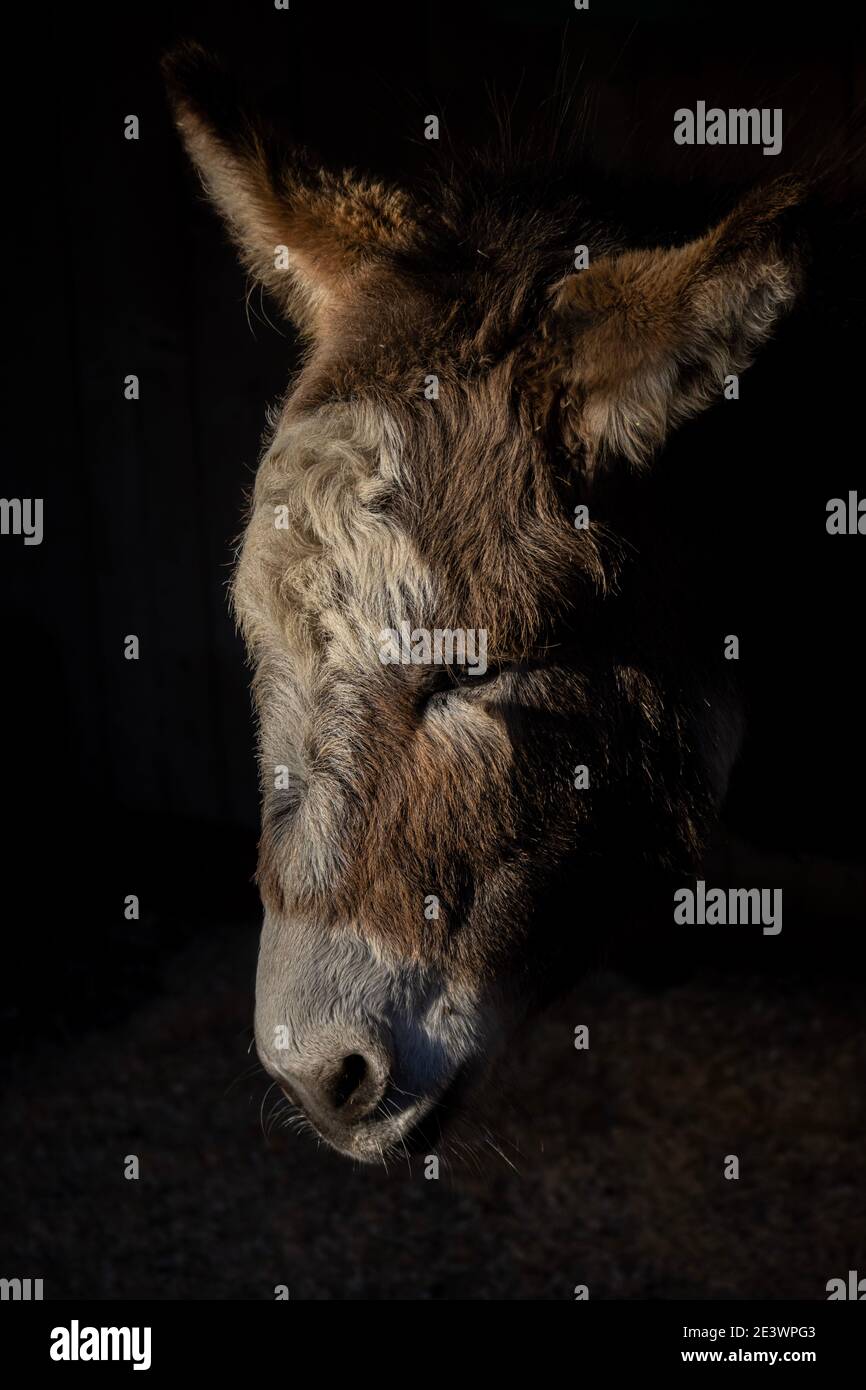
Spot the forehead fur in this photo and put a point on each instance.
(364, 517)
(444, 513)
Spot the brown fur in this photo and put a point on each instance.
(457, 513)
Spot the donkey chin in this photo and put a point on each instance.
(375, 1054)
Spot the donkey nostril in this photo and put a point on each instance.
(350, 1077)
(340, 1091)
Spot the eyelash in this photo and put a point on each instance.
(448, 679)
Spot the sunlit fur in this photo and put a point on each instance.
(379, 502)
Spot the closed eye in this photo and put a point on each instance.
(445, 680)
(281, 806)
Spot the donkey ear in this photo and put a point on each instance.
(303, 232)
(645, 339)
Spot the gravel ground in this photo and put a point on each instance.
(618, 1158)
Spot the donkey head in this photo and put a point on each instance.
(460, 708)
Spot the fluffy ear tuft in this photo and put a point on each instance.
(642, 340)
(302, 231)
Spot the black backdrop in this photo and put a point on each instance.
(138, 777)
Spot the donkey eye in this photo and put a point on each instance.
(445, 679)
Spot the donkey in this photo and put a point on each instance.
(480, 439)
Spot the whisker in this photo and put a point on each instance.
(245, 1075)
(262, 1107)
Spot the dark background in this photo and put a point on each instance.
(139, 777)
